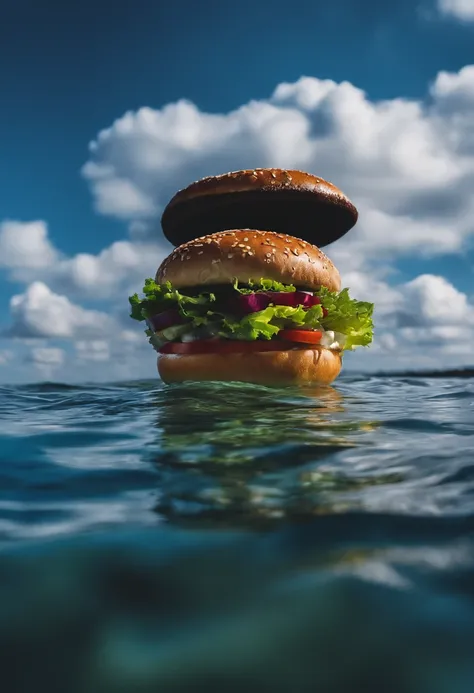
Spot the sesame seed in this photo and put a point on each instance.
(250, 252)
(215, 261)
(241, 245)
(200, 252)
(268, 254)
(295, 251)
(245, 239)
(229, 255)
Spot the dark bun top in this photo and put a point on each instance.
(272, 199)
(246, 255)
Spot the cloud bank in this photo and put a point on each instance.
(408, 165)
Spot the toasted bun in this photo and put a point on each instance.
(245, 255)
(296, 367)
(272, 199)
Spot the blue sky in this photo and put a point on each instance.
(67, 74)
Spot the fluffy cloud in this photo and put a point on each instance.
(26, 245)
(46, 360)
(27, 253)
(434, 301)
(424, 323)
(93, 350)
(40, 313)
(460, 9)
(408, 165)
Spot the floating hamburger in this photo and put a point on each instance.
(247, 295)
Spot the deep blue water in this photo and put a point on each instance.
(235, 538)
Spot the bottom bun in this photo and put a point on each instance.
(294, 367)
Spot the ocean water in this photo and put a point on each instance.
(221, 537)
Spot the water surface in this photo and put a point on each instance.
(236, 538)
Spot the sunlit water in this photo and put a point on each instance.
(236, 538)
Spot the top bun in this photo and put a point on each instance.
(272, 199)
(248, 255)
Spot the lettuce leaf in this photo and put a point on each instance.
(341, 313)
(160, 297)
(263, 285)
(265, 323)
(348, 316)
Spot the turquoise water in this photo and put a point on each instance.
(235, 538)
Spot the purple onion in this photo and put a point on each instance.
(293, 298)
(167, 318)
(252, 303)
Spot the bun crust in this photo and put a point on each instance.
(246, 255)
(272, 199)
(273, 368)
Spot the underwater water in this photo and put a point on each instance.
(229, 537)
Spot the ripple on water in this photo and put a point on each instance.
(241, 455)
(152, 538)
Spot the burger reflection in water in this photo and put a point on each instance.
(236, 456)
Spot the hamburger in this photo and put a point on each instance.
(250, 304)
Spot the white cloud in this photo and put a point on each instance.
(460, 9)
(47, 356)
(433, 300)
(424, 323)
(28, 254)
(408, 165)
(40, 313)
(26, 245)
(47, 360)
(120, 265)
(93, 350)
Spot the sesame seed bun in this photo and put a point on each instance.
(271, 199)
(316, 366)
(249, 255)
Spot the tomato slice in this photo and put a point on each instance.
(302, 336)
(225, 346)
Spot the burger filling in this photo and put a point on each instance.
(262, 315)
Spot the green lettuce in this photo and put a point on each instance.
(160, 297)
(263, 285)
(348, 316)
(341, 313)
(266, 323)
